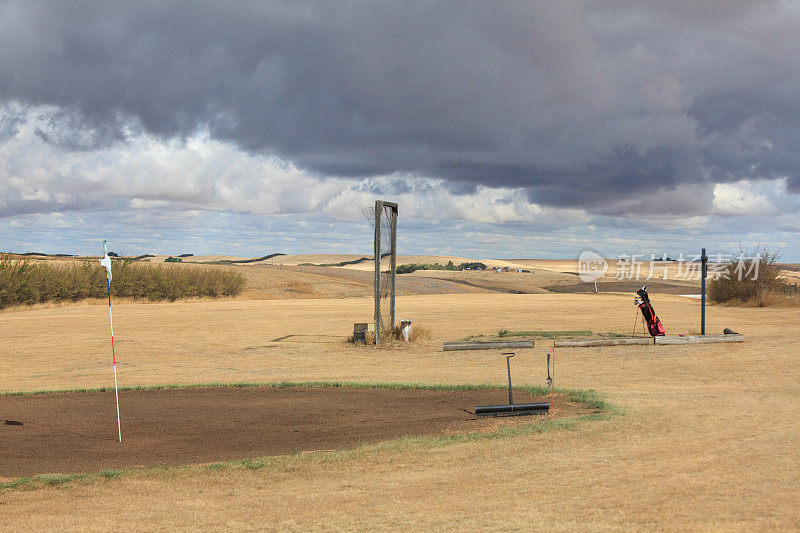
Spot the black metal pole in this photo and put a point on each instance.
(509, 355)
(704, 270)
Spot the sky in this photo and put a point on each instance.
(512, 129)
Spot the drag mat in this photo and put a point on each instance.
(77, 432)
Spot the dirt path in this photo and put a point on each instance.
(76, 432)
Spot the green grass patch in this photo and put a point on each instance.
(58, 479)
(591, 399)
(14, 483)
(544, 333)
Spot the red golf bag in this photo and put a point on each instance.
(654, 325)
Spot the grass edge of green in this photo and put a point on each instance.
(587, 397)
(531, 389)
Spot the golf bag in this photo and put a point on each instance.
(654, 325)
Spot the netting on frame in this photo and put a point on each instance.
(385, 226)
(386, 269)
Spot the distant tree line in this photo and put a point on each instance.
(411, 267)
(244, 261)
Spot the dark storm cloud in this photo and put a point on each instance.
(10, 121)
(582, 104)
(74, 132)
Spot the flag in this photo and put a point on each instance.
(106, 262)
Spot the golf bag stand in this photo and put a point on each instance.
(654, 325)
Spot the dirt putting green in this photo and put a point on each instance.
(76, 432)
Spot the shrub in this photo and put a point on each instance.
(29, 282)
(171, 259)
(418, 333)
(749, 280)
(394, 336)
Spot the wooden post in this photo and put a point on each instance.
(359, 333)
(498, 345)
(393, 266)
(633, 341)
(378, 212)
(698, 339)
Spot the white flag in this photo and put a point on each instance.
(106, 262)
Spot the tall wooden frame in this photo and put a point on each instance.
(379, 207)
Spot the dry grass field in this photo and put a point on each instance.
(709, 438)
(279, 282)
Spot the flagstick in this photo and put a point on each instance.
(113, 355)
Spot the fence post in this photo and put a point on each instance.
(703, 271)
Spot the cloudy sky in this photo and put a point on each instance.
(511, 129)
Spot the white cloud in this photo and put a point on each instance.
(742, 198)
(200, 173)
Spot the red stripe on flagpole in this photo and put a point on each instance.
(113, 356)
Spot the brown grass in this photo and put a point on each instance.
(710, 439)
(770, 299)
